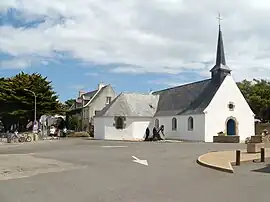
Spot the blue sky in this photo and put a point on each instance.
(134, 46)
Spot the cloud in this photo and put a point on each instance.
(162, 36)
(91, 74)
(77, 87)
(167, 82)
(24, 62)
(14, 64)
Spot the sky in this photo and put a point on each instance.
(134, 45)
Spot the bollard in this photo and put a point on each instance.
(238, 152)
(262, 155)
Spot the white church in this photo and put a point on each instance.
(194, 112)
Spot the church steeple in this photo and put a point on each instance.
(220, 57)
(220, 70)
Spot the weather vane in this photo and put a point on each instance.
(219, 19)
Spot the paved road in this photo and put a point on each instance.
(108, 174)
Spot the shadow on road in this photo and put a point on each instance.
(265, 169)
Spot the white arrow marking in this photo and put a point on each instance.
(113, 146)
(143, 162)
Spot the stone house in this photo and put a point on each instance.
(87, 104)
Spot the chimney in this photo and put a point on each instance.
(81, 93)
(100, 85)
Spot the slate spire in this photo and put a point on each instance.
(220, 70)
(220, 57)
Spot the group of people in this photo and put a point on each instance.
(155, 135)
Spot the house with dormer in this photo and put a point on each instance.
(87, 104)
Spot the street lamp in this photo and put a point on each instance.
(35, 115)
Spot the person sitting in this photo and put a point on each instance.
(147, 133)
(155, 134)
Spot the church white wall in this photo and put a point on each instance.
(217, 111)
(182, 132)
(134, 130)
(99, 128)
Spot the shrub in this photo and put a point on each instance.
(78, 134)
(221, 133)
(247, 140)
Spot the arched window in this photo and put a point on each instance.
(174, 124)
(190, 123)
(157, 124)
(119, 123)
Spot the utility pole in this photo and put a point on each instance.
(35, 113)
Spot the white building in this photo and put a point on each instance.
(195, 111)
(126, 118)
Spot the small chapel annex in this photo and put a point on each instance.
(195, 111)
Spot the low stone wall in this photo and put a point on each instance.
(254, 147)
(259, 127)
(256, 139)
(226, 139)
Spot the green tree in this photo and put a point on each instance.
(69, 103)
(18, 102)
(74, 122)
(257, 94)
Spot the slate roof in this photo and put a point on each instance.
(191, 98)
(86, 98)
(95, 93)
(132, 105)
(89, 95)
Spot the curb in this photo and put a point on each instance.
(224, 169)
(214, 167)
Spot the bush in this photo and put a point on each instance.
(247, 140)
(78, 134)
(221, 133)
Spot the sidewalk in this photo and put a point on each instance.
(223, 160)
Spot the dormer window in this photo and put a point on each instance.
(108, 100)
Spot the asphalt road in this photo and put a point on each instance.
(108, 174)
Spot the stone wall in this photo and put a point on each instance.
(226, 139)
(259, 127)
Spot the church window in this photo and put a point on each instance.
(157, 124)
(174, 124)
(190, 123)
(231, 106)
(119, 122)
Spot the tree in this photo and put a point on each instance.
(74, 122)
(69, 103)
(17, 103)
(257, 94)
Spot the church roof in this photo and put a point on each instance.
(131, 104)
(191, 98)
(186, 99)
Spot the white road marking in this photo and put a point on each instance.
(137, 160)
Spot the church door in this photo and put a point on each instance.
(231, 127)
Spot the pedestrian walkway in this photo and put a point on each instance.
(223, 160)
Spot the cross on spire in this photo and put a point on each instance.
(219, 19)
